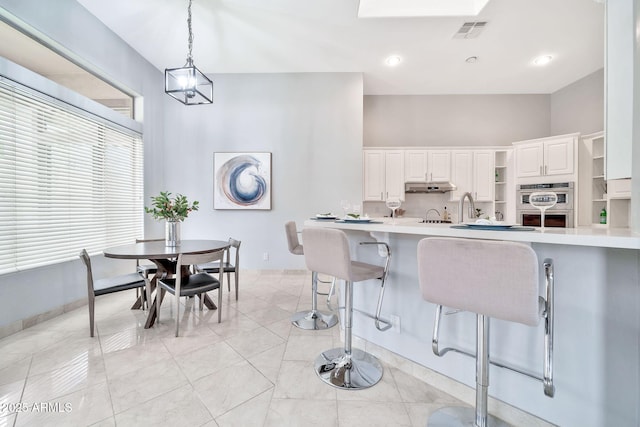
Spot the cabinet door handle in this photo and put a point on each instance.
(545, 169)
(540, 170)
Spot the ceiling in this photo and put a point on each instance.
(275, 36)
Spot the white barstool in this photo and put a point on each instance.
(492, 279)
(326, 251)
(314, 319)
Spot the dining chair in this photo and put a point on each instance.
(227, 266)
(192, 284)
(109, 285)
(146, 269)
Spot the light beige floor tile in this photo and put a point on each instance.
(140, 386)
(190, 340)
(308, 413)
(298, 380)
(207, 360)
(14, 367)
(269, 315)
(251, 413)
(60, 382)
(231, 387)
(254, 342)
(107, 422)
(384, 391)
(233, 325)
(83, 351)
(7, 420)
(413, 390)
(282, 328)
(85, 407)
(29, 341)
(268, 362)
(133, 359)
(10, 395)
(307, 347)
(178, 407)
(382, 414)
(128, 338)
(419, 413)
(121, 321)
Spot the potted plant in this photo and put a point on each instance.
(174, 211)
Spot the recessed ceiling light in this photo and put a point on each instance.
(543, 60)
(471, 59)
(393, 60)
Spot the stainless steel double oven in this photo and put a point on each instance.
(560, 215)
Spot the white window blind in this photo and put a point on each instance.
(67, 181)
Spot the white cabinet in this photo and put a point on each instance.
(545, 157)
(429, 165)
(383, 174)
(483, 175)
(473, 171)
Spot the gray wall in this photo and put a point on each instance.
(474, 120)
(470, 120)
(312, 125)
(579, 107)
(303, 119)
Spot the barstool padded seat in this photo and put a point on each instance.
(508, 289)
(330, 255)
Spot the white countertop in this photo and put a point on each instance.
(582, 236)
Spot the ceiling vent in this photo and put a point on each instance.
(470, 30)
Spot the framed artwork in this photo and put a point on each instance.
(242, 181)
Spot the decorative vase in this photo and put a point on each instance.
(172, 233)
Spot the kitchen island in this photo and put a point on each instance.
(597, 320)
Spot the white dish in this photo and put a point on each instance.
(324, 216)
(496, 225)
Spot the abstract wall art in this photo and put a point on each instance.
(242, 181)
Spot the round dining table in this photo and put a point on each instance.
(165, 258)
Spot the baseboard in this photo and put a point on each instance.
(20, 325)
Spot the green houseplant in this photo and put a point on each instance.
(173, 210)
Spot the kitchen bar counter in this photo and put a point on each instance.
(582, 236)
(597, 319)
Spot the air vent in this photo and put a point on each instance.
(470, 30)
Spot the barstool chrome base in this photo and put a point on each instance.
(360, 370)
(311, 320)
(460, 416)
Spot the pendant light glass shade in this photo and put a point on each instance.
(187, 84)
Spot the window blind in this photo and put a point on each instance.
(67, 181)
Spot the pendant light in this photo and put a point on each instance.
(187, 84)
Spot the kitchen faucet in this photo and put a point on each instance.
(472, 207)
(426, 217)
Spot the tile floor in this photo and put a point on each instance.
(253, 369)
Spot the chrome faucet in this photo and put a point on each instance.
(426, 217)
(472, 207)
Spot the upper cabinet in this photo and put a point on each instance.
(473, 171)
(429, 165)
(383, 174)
(546, 157)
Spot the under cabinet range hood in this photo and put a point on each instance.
(428, 187)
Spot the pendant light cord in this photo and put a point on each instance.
(189, 56)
